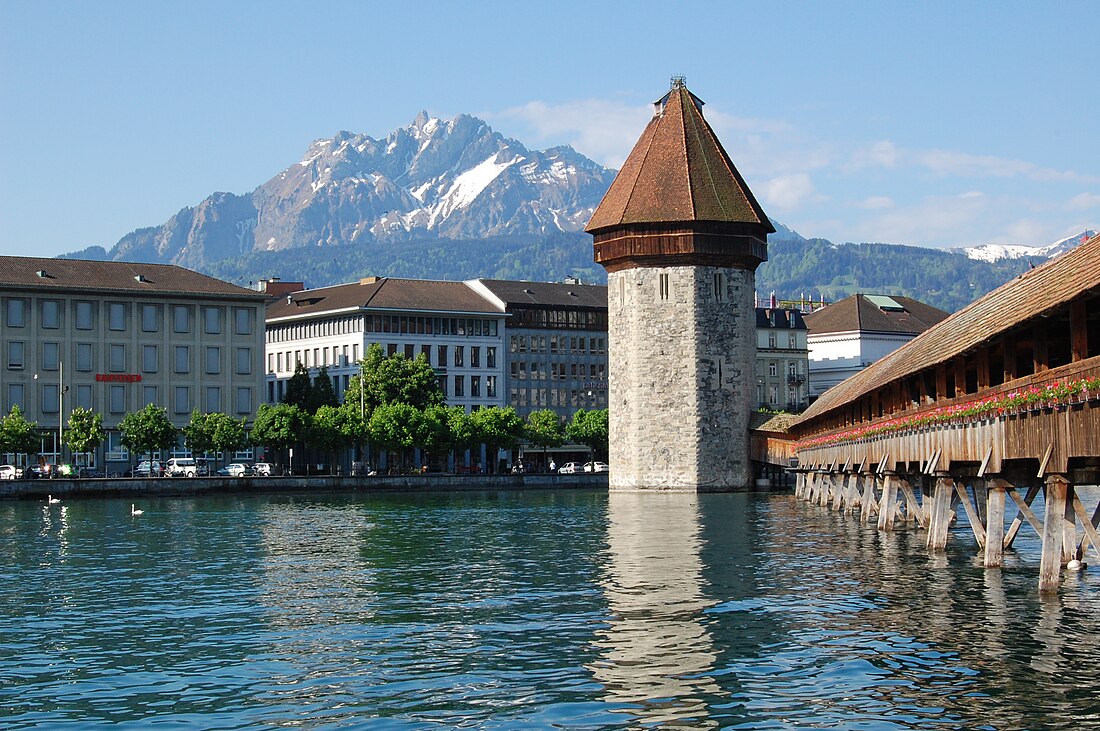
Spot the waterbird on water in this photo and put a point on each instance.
(135, 511)
(52, 500)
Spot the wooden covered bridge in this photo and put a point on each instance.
(999, 402)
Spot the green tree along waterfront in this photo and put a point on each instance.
(147, 431)
(84, 432)
(17, 435)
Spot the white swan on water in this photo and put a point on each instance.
(135, 511)
(52, 500)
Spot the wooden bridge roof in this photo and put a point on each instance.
(1029, 295)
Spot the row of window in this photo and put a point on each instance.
(120, 399)
(792, 340)
(117, 361)
(85, 314)
(559, 319)
(557, 344)
(410, 324)
(286, 361)
(536, 371)
(520, 397)
(773, 368)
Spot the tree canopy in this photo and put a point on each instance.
(17, 435)
(590, 429)
(148, 430)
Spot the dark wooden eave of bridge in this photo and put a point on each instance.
(1042, 325)
(678, 199)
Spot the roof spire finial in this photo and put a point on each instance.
(678, 81)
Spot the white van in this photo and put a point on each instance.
(182, 467)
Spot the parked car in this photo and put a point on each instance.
(235, 469)
(182, 467)
(570, 468)
(10, 472)
(263, 469)
(146, 468)
(596, 467)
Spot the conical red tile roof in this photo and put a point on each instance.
(678, 173)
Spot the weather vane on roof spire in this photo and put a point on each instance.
(678, 82)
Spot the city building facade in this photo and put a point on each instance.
(113, 337)
(782, 360)
(459, 332)
(850, 334)
(555, 341)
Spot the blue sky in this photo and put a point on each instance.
(930, 123)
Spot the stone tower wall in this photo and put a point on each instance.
(682, 385)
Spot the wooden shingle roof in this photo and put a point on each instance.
(678, 172)
(1029, 295)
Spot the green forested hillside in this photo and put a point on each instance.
(795, 266)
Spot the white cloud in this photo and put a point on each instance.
(787, 192)
(1084, 201)
(876, 202)
(602, 130)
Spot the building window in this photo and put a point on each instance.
(460, 351)
(475, 386)
(116, 316)
(50, 356)
(662, 286)
(117, 363)
(51, 314)
(213, 399)
(149, 319)
(183, 359)
(772, 368)
(441, 353)
(459, 390)
(149, 395)
(242, 321)
(491, 386)
(475, 357)
(16, 313)
(148, 359)
(16, 397)
(244, 361)
(792, 369)
(212, 320)
(181, 404)
(181, 319)
(115, 450)
(84, 356)
(719, 287)
(49, 398)
(244, 400)
(214, 360)
(15, 355)
(490, 357)
(84, 396)
(771, 340)
(410, 351)
(116, 403)
(84, 319)
(773, 395)
(792, 341)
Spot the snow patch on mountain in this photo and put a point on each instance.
(996, 252)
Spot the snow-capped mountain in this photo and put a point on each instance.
(431, 179)
(996, 252)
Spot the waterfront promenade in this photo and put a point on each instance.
(194, 486)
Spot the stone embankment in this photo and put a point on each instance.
(172, 486)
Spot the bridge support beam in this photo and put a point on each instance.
(940, 518)
(994, 523)
(888, 503)
(1050, 564)
(851, 492)
(867, 500)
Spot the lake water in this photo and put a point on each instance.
(576, 610)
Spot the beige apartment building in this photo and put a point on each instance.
(115, 336)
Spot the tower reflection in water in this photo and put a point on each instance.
(656, 655)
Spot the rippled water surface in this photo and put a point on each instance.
(573, 610)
